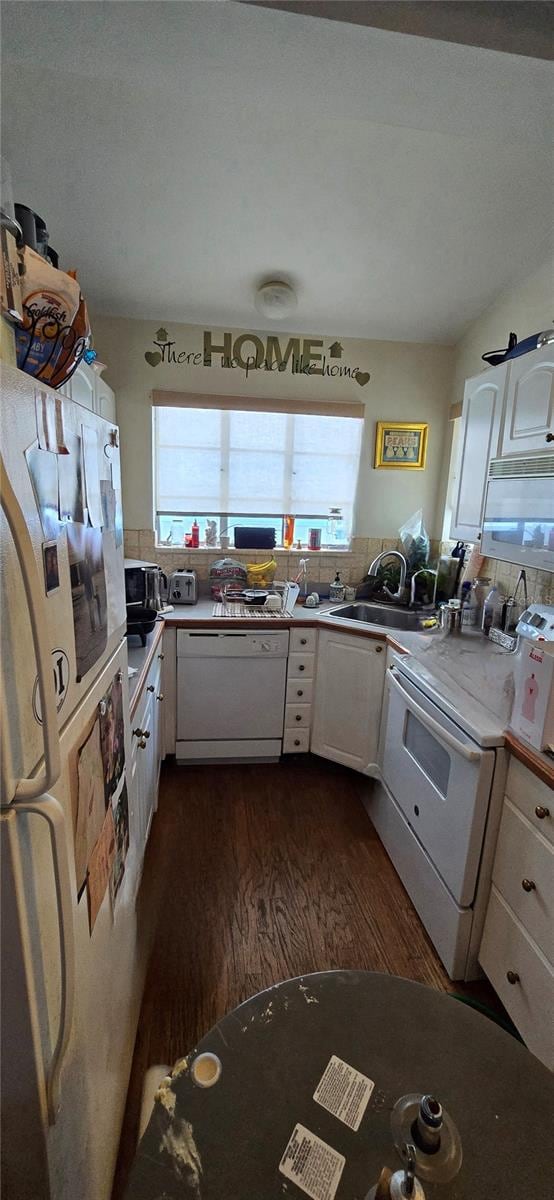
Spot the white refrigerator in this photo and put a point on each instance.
(70, 990)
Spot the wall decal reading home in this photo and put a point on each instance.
(248, 352)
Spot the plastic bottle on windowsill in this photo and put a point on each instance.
(195, 530)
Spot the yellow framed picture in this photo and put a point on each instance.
(401, 444)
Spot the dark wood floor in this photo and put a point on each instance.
(256, 874)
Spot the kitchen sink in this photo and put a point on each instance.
(392, 616)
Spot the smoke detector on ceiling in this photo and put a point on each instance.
(275, 299)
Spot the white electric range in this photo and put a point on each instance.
(437, 806)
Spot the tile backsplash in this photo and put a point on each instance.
(323, 564)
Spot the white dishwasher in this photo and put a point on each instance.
(230, 694)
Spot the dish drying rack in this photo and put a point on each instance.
(288, 593)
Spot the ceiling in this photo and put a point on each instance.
(515, 26)
(183, 152)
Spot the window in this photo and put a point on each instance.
(243, 467)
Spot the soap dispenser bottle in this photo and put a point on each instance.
(336, 588)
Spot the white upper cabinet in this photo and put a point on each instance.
(479, 441)
(87, 388)
(348, 699)
(530, 403)
(83, 383)
(105, 400)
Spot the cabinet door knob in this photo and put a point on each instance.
(161, 656)
(303, 641)
(297, 741)
(150, 687)
(160, 697)
(378, 649)
(301, 667)
(298, 717)
(541, 812)
(512, 976)
(300, 692)
(549, 437)
(528, 885)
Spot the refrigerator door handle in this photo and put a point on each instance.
(51, 810)
(29, 789)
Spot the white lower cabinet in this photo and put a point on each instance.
(348, 699)
(147, 752)
(517, 949)
(299, 694)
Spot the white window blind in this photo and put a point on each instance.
(210, 460)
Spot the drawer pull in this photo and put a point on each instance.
(301, 667)
(150, 687)
(160, 697)
(512, 976)
(161, 657)
(378, 649)
(297, 741)
(541, 812)
(528, 885)
(141, 733)
(303, 641)
(298, 717)
(300, 692)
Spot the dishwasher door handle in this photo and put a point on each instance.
(433, 726)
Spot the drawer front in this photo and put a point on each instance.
(301, 666)
(531, 795)
(303, 640)
(525, 857)
(530, 999)
(296, 741)
(300, 691)
(297, 716)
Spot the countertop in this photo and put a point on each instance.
(483, 669)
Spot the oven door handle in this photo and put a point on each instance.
(433, 726)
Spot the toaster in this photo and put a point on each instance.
(183, 587)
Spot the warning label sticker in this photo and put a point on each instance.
(344, 1092)
(312, 1165)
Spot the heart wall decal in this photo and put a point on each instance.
(153, 357)
(362, 377)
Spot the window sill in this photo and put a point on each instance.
(232, 550)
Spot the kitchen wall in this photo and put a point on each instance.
(526, 308)
(407, 381)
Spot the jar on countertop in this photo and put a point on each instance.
(336, 588)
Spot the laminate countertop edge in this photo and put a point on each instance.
(137, 682)
(536, 762)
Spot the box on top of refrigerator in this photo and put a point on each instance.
(533, 710)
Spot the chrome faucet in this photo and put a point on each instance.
(398, 596)
(422, 571)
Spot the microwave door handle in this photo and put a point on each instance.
(51, 811)
(433, 726)
(29, 789)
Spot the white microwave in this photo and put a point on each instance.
(518, 524)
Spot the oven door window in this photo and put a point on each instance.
(428, 753)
